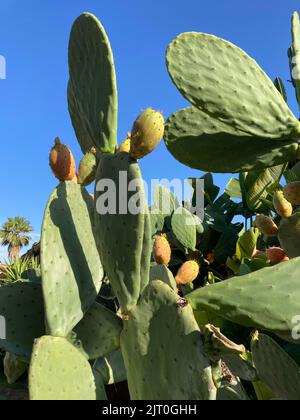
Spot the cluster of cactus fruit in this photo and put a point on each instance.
(149, 297)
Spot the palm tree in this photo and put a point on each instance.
(14, 235)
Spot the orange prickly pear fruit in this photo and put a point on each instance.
(87, 168)
(276, 255)
(266, 225)
(162, 252)
(62, 161)
(282, 206)
(292, 193)
(187, 273)
(146, 134)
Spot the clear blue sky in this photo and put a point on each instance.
(33, 107)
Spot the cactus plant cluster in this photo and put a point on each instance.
(153, 296)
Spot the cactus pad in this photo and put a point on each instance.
(203, 142)
(111, 368)
(289, 235)
(99, 331)
(92, 91)
(71, 268)
(21, 306)
(163, 351)
(58, 371)
(124, 238)
(275, 368)
(266, 300)
(184, 228)
(222, 80)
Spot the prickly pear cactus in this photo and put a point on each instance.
(92, 90)
(111, 368)
(161, 272)
(276, 368)
(124, 229)
(289, 235)
(294, 52)
(184, 228)
(58, 371)
(99, 331)
(163, 351)
(14, 367)
(71, 268)
(21, 306)
(256, 300)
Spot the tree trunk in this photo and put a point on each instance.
(13, 253)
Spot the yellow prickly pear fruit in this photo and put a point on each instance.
(282, 206)
(276, 255)
(75, 179)
(187, 273)
(292, 193)
(126, 145)
(87, 168)
(62, 162)
(162, 252)
(266, 225)
(146, 133)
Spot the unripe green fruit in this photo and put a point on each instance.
(282, 206)
(87, 168)
(146, 133)
(266, 225)
(292, 193)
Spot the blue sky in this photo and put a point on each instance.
(33, 106)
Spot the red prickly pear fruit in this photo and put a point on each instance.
(125, 146)
(276, 255)
(62, 162)
(87, 168)
(162, 252)
(282, 206)
(187, 273)
(146, 134)
(292, 193)
(266, 225)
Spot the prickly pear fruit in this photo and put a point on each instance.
(276, 255)
(162, 250)
(75, 179)
(125, 146)
(292, 193)
(187, 273)
(282, 206)
(146, 134)
(266, 225)
(87, 168)
(62, 161)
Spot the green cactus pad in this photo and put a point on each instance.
(163, 351)
(164, 200)
(58, 371)
(22, 315)
(294, 54)
(203, 142)
(92, 90)
(99, 331)
(157, 221)
(71, 267)
(267, 299)
(161, 272)
(275, 368)
(124, 239)
(111, 368)
(184, 228)
(222, 80)
(289, 235)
